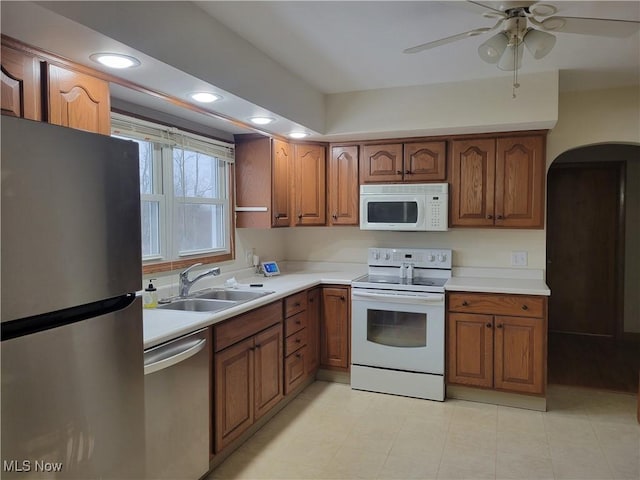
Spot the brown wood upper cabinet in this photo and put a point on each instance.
(343, 185)
(497, 182)
(71, 99)
(308, 186)
(409, 162)
(21, 95)
(78, 101)
(262, 182)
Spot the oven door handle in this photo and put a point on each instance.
(412, 299)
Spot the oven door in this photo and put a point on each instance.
(402, 212)
(398, 330)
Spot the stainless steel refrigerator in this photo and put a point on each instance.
(71, 350)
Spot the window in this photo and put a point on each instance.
(184, 191)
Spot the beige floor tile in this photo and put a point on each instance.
(534, 444)
(351, 462)
(424, 466)
(467, 464)
(520, 465)
(333, 432)
(520, 420)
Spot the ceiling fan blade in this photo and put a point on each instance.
(591, 26)
(444, 41)
(482, 5)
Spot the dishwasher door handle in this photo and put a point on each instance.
(173, 359)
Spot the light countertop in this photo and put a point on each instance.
(161, 325)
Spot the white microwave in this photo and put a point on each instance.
(415, 207)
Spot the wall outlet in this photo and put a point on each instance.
(519, 259)
(248, 256)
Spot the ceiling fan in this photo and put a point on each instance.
(527, 24)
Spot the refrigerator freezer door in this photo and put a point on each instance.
(72, 399)
(70, 218)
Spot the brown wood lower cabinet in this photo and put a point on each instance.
(335, 328)
(497, 341)
(248, 374)
(301, 338)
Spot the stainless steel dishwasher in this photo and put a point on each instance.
(177, 407)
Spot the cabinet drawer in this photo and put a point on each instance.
(295, 323)
(295, 341)
(497, 304)
(295, 370)
(243, 326)
(295, 304)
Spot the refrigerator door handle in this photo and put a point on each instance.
(168, 361)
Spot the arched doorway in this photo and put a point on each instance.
(593, 267)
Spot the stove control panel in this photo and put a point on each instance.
(418, 257)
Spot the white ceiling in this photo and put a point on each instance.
(350, 46)
(331, 47)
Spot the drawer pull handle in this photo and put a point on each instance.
(489, 216)
(298, 322)
(488, 324)
(524, 307)
(398, 172)
(258, 345)
(298, 340)
(342, 298)
(465, 303)
(297, 355)
(499, 325)
(297, 304)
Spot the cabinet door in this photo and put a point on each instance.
(334, 328)
(519, 354)
(520, 170)
(381, 163)
(234, 401)
(313, 331)
(425, 162)
(280, 203)
(472, 182)
(343, 186)
(268, 369)
(79, 101)
(20, 85)
(295, 370)
(310, 204)
(253, 186)
(470, 349)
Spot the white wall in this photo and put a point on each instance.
(472, 247)
(462, 107)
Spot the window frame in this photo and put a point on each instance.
(164, 139)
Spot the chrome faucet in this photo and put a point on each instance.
(184, 284)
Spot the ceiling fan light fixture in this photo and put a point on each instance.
(539, 43)
(511, 59)
(492, 50)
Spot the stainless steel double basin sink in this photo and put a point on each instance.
(213, 300)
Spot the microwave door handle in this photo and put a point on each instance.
(435, 298)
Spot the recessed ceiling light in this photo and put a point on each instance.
(298, 134)
(115, 60)
(205, 97)
(262, 120)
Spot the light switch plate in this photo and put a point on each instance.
(519, 259)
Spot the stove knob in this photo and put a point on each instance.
(376, 255)
(430, 258)
(442, 257)
(387, 256)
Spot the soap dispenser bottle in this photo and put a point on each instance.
(150, 297)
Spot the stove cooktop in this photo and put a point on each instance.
(391, 282)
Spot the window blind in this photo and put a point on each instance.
(171, 136)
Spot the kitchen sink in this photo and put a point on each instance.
(212, 300)
(234, 295)
(198, 305)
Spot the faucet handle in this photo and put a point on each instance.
(185, 271)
